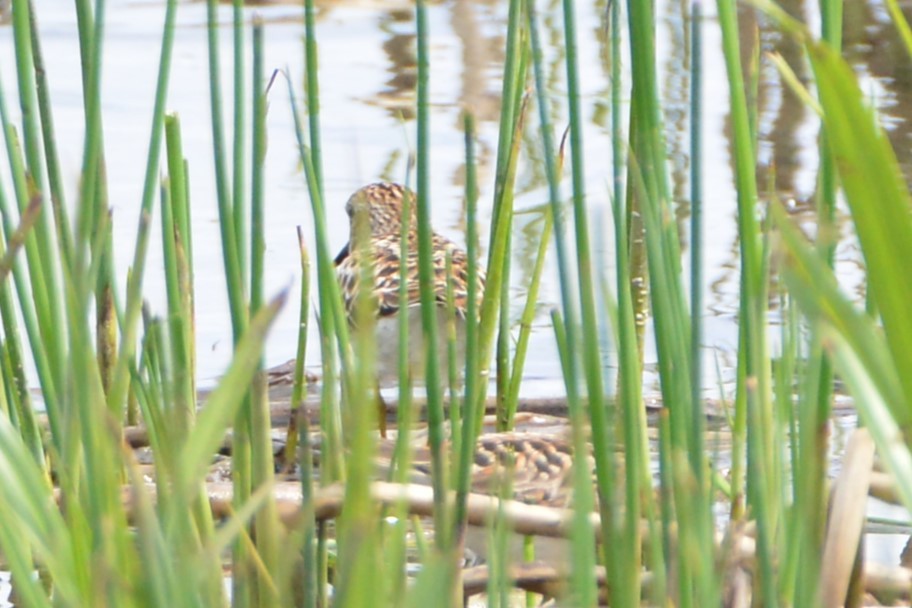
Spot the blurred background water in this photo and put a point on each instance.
(367, 80)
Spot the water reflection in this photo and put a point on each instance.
(398, 96)
(782, 115)
(368, 80)
(676, 88)
(872, 44)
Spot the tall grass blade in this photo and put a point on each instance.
(427, 281)
(878, 198)
(120, 381)
(226, 399)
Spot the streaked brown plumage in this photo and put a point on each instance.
(381, 204)
(536, 466)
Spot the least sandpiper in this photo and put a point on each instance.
(381, 207)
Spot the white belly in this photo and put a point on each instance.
(387, 333)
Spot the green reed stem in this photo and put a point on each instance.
(582, 582)
(92, 36)
(702, 511)
(150, 396)
(308, 571)
(696, 232)
(262, 465)
(627, 573)
(39, 247)
(9, 401)
(810, 466)
(103, 510)
(582, 558)
(827, 233)
(26, 302)
(502, 352)
(591, 356)
(402, 455)
(358, 578)
(525, 323)
(618, 147)
(257, 242)
(300, 381)
(402, 450)
(455, 406)
(239, 146)
(16, 384)
(177, 276)
(753, 346)
(511, 92)
(93, 191)
(177, 166)
(333, 322)
(499, 249)
(473, 379)
(404, 412)
(902, 25)
(426, 277)
(313, 90)
(512, 110)
(230, 252)
(697, 583)
(120, 382)
(55, 181)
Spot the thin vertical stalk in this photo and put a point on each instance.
(241, 587)
(697, 459)
(525, 323)
(309, 574)
(591, 356)
(333, 321)
(257, 243)
(358, 581)
(752, 308)
(696, 232)
(618, 147)
(509, 139)
(262, 466)
(41, 265)
(16, 382)
(55, 182)
(502, 354)
(583, 558)
(313, 91)
(627, 573)
(402, 454)
(498, 264)
(473, 379)
(120, 382)
(404, 411)
(581, 232)
(300, 381)
(426, 278)
(26, 303)
(93, 192)
(179, 287)
(810, 467)
(230, 254)
(239, 147)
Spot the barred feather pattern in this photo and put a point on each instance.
(382, 205)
